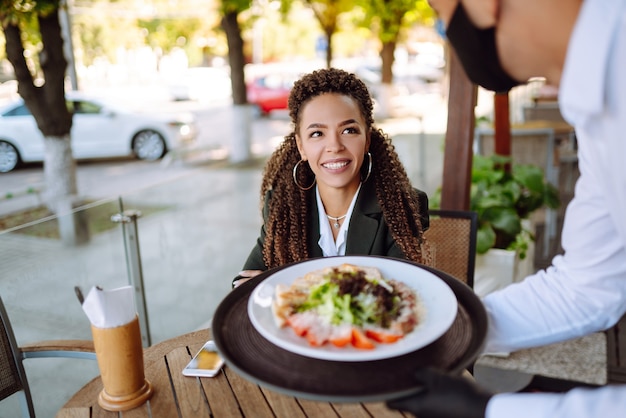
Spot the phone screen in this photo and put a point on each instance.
(206, 363)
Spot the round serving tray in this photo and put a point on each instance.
(255, 358)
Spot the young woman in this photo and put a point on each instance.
(335, 186)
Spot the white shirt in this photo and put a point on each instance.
(584, 290)
(327, 242)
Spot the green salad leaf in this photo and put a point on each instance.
(353, 298)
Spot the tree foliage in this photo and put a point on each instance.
(327, 13)
(13, 12)
(99, 31)
(160, 32)
(389, 18)
(40, 79)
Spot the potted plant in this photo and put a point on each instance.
(504, 198)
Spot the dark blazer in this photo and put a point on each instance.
(368, 233)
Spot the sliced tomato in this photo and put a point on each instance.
(359, 340)
(341, 337)
(382, 336)
(314, 339)
(298, 327)
(341, 341)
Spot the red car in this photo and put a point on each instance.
(270, 92)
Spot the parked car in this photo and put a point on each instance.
(100, 129)
(270, 92)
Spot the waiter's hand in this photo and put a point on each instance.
(444, 396)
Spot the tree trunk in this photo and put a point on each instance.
(235, 57)
(47, 105)
(329, 48)
(387, 58)
(60, 192)
(59, 169)
(385, 95)
(240, 149)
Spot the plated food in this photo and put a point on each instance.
(346, 305)
(436, 308)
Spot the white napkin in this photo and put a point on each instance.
(110, 308)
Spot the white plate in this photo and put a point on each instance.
(438, 300)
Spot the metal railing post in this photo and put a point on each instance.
(128, 219)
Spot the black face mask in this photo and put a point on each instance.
(476, 49)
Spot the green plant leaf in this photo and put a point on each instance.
(505, 220)
(503, 198)
(530, 177)
(551, 197)
(485, 238)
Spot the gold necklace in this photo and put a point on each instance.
(336, 224)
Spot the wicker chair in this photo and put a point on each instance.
(12, 374)
(451, 241)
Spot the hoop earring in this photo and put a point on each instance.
(369, 168)
(295, 178)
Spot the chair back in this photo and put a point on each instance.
(12, 373)
(451, 242)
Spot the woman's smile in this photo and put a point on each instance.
(336, 165)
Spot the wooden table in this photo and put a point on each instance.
(226, 395)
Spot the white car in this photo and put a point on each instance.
(100, 129)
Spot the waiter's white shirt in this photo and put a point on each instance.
(584, 290)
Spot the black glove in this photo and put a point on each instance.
(444, 396)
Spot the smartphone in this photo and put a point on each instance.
(206, 363)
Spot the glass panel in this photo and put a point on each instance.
(39, 267)
(42, 264)
(194, 246)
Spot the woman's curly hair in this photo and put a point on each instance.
(286, 226)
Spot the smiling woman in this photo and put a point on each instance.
(100, 129)
(335, 186)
